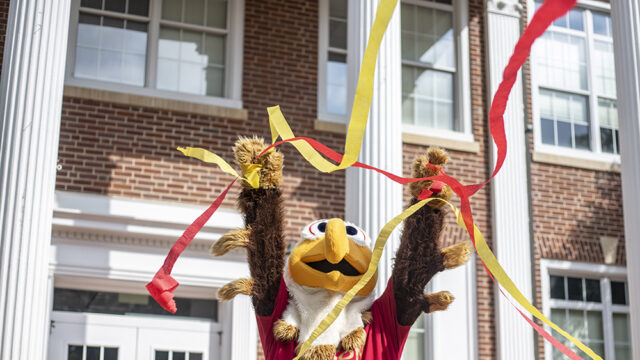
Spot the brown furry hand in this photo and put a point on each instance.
(247, 149)
(437, 157)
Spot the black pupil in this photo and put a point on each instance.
(351, 230)
(322, 227)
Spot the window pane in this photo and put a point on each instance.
(445, 48)
(96, 4)
(561, 59)
(594, 325)
(601, 24)
(217, 14)
(621, 327)
(195, 356)
(162, 355)
(86, 63)
(135, 38)
(215, 49)
(564, 134)
(338, 9)
(427, 36)
(576, 21)
(93, 353)
(139, 7)
(110, 353)
(548, 135)
(74, 352)
(215, 81)
(112, 34)
(414, 348)
(607, 113)
(337, 86)
(169, 43)
(582, 137)
(172, 10)
(623, 352)
(115, 5)
(574, 285)
(618, 293)
(606, 140)
(191, 78)
(604, 68)
(178, 355)
(194, 12)
(88, 30)
(576, 324)
(338, 34)
(593, 290)
(557, 287)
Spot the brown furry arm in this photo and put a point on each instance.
(263, 213)
(264, 222)
(418, 259)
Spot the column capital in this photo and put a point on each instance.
(505, 7)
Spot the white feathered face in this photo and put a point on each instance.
(332, 254)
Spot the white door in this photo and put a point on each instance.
(87, 336)
(82, 336)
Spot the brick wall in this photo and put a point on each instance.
(572, 208)
(4, 13)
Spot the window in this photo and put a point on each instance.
(176, 355)
(576, 90)
(434, 85)
(189, 48)
(332, 57)
(84, 352)
(414, 347)
(592, 306)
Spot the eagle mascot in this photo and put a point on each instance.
(292, 295)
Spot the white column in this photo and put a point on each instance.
(626, 45)
(244, 331)
(30, 108)
(371, 199)
(509, 199)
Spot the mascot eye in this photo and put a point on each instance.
(351, 230)
(322, 226)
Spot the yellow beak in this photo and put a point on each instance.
(336, 243)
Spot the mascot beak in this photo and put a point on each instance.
(336, 243)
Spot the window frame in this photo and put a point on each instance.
(605, 273)
(233, 57)
(595, 153)
(462, 76)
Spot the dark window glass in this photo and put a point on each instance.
(574, 288)
(618, 293)
(557, 287)
(122, 304)
(96, 4)
(582, 137)
(617, 142)
(601, 24)
(113, 22)
(162, 355)
(576, 20)
(564, 134)
(89, 19)
(93, 353)
(593, 290)
(74, 352)
(179, 356)
(606, 139)
(115, 5)
(139, 7)
(548, 132)
(110, 353)
(195, 356)
(444, 1)
(136, 26)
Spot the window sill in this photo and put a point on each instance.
(408, 138)
(469, 146)
(126, 98)
(576, 161)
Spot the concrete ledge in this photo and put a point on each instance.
(449, 144)
(155, 102)
(575, 162)
(330, 126)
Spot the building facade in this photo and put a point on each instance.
(137, 78)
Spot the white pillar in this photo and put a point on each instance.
(243, 330)
(509, 193)
(30, 109)
(371, 199)
(626, 45)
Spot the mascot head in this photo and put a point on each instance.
(332, 254)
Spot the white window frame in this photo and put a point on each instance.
(592, 98)
(233, 58)
(584, 270)
(462, 85)
(323, 58)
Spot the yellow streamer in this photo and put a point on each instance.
(251, 172)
